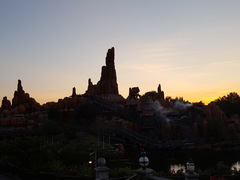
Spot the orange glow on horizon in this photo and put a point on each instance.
(191, 98)
(205, 100)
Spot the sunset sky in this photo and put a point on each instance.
(190, 47)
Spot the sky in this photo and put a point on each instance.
(190, 47)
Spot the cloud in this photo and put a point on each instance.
(161, 47)
(174, 68)
(151, 68)
(225, 62)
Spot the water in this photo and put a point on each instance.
(175, 160)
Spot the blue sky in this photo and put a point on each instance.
(190, 47)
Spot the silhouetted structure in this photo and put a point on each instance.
(6, 104)
(160, 93)
(108, 81)
(22, 102)
(107, 86)
(153, 114)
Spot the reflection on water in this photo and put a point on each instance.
(177, 169)
(236, 166)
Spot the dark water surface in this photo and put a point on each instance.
(162, 160)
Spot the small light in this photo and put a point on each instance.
(90, 162)
(190, 166)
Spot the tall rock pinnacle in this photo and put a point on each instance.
(20, 89)
(160, 93)
(74, 92)
(19, 95)
(108, 82)
(110, 58)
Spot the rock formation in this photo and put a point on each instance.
(67, 103)
(108, 81)
(20, 96)
(107, 86)
(74, 92)
(160, 93)
(6, 104)
(22, 102)
(22, 111)
(92, 89)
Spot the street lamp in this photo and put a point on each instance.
(143, 160)
(190, 166)
(90, 163)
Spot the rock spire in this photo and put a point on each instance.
(23, 100)
(74, 92)
(160, 93)
(107, 85)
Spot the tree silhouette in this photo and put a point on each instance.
(149, 95)
(230, 104)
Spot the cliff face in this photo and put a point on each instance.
(108, 82)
